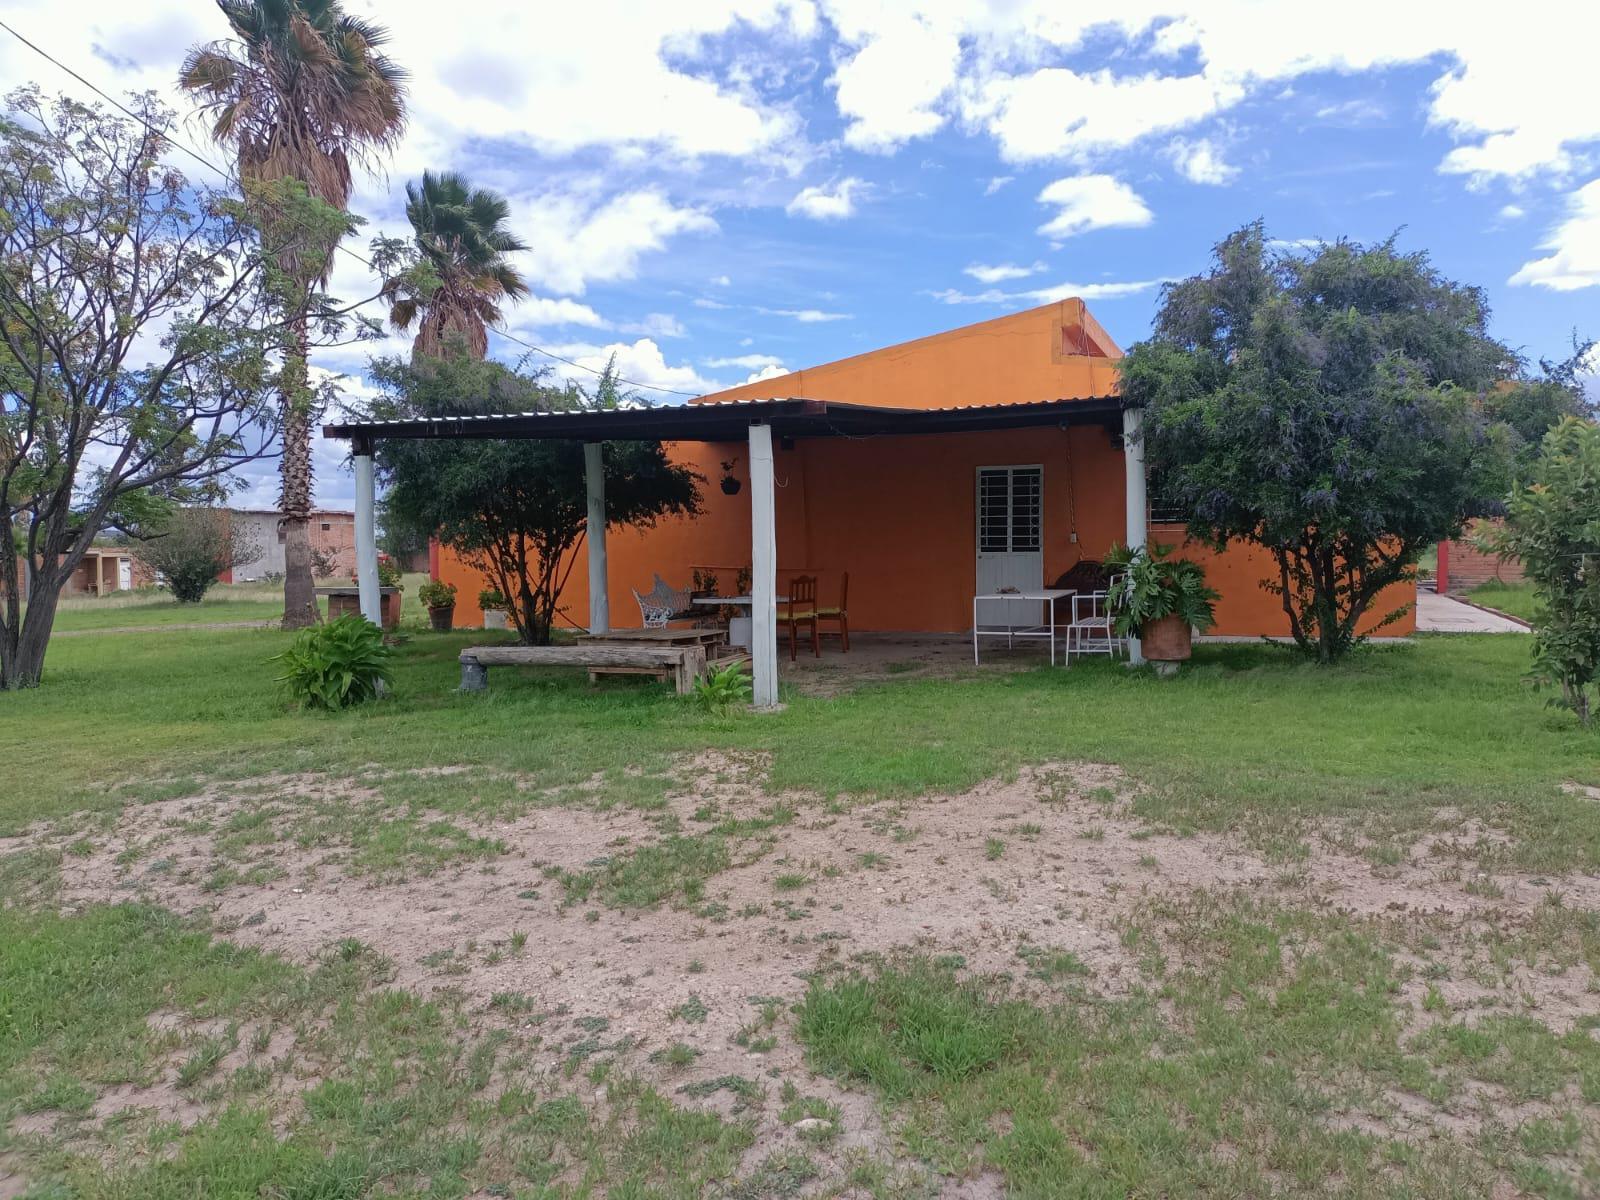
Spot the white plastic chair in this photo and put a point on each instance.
(1091, 629)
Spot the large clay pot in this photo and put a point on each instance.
(1166, 640)
(441, 619)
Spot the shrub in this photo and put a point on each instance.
(722, 689)
(192, 547)
(437, 594)
(336, 665)
(490, 600)
(1553, 526)
(389, 573)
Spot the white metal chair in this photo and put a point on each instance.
(663, 603)
(1091, 630)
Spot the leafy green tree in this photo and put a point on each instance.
(299, 92)
(1553, 525)
(1327, 407)
(462, 246)
(516, 511)
(138, 342)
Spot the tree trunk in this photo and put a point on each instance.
(22, 651)
(299, 584)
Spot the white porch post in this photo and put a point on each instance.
(763, 570)
(599, 581)
(367, 538)
(1138, 502)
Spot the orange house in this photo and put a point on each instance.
(983, 457)
(900, 513)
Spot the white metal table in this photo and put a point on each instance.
(1045, 596)
(739, 637)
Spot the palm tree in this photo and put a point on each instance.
(299, 92)
(461, 236)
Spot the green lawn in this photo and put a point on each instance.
(1247, 737)
(1266, 1042)
(223, 604)
(1516, 599)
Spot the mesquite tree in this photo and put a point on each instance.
(191, 546)
(1329, 407)
(516, 511)
(139, 337)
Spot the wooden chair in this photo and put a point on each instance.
(802, 610)
(840, 614)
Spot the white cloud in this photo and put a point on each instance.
(1200, 162)
(1048, 295)
(1092, 202)
(656, 325)
(1513, 212)
(1574, 245)
(771, 371)
(1058, 113)
(721, 281)
(996, 183)
(888, 91)
(806, 316)
(641, 361)
(745, 362)
(540, 311)
(708, 303)
(1001, 272)
(575, 241)
(830, 202)
(1515, 95)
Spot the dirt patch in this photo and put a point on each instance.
(1051, 860)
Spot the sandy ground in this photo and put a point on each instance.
(878, 877)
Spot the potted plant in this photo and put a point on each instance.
(1160, 599)
(440, 599)
(493, 605)
(391, 587)
(730, 482)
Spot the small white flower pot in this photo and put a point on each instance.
(494, 618)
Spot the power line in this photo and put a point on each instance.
(227, 174)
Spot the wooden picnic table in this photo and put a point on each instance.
(660, 635)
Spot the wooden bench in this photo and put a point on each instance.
(681, 664)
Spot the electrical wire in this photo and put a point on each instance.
(227, 174)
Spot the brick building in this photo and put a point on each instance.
(1463, 566)
(333, 538)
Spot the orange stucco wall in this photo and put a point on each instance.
(899, 513)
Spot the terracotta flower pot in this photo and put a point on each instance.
(442, 618)
(1168, 639)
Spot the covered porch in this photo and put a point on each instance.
(891, 496)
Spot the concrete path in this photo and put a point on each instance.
(1443, 614)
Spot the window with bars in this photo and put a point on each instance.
(1010, 504)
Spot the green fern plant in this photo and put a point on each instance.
(336, 665)
(1151, 585)
(722, 689)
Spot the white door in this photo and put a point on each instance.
(125, 574)
(1011, 540)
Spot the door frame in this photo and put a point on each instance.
(977, 523)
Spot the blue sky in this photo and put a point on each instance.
(714, 190)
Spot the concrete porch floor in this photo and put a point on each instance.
(879, 657)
